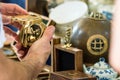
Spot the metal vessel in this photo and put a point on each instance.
(92, 35)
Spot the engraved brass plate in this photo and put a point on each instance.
(32, 28)
(97, 44)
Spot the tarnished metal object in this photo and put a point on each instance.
(67, 43)
(97, 16)
(32, 28)
(92, 35)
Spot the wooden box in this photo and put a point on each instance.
(54, 41)
(67, 58)
(70, 75)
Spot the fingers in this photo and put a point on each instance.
(8, 9)
(20, 54)
(17, 25)
(12, 9)
(20, 50)
(11, 33)
(48, 34)
(6, 19)
(18, 10)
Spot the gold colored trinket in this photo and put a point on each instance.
(67, 43)
(32, 28)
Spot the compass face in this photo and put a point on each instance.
(97, 44)
(32, 27)
(34, 34)
(30, 34)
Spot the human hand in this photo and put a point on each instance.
(40, 50)
(13, 39)
(8, 9)
(23, 51)
(38, 53)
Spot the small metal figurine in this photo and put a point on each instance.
(67, 43)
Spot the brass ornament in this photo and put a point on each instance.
(32, 28)
(97, 44)
(67, 43)
(97, 16)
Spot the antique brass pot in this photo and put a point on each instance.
(92, 35)
(32, 28)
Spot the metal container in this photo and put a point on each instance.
(92, 35)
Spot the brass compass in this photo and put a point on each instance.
(32, 28)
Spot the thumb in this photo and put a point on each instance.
(48, 33)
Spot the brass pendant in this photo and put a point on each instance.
(32, 28)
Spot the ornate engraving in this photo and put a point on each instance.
(32, 28)
(97, 16)
(97, 44)
(67, 43)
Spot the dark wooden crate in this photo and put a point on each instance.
(70, 75)
(67, 58)
(54, 41)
